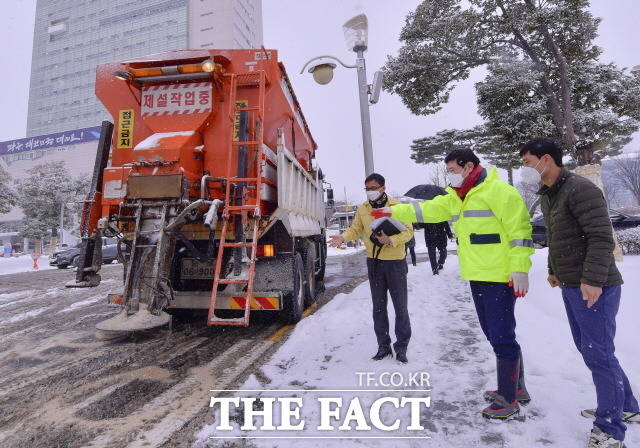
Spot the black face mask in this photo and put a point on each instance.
(380, 202)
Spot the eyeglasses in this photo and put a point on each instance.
(372, 188)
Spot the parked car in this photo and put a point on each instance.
(619, 221)
(70, 257)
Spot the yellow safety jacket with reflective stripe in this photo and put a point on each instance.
(491, 224)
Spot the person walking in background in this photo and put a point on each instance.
(581, 263)
(387, 269)
(493, 232)
(435, 237)
(411, 247)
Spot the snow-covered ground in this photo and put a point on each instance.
(24, 263)
(341, 252)
(327, 349)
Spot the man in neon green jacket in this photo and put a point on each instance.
(493, 232)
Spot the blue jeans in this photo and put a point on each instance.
(593, 330)
(495, 305)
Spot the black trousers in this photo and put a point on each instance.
(389, 276)
(432, 255)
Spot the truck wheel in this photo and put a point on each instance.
(294, 300)
(309, 273)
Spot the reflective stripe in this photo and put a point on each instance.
(523, 242)
(477, 213)
(454, 218)
(418, 209)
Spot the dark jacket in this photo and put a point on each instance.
(436, 234)
(579, 232)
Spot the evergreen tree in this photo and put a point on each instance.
(7, 196)
(542, 67)
(40, 195)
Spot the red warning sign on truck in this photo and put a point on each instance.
(173, 99)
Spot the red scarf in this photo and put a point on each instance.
(469, 181)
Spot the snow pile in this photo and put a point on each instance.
(341, 252)
(328, 348)
(24, 263)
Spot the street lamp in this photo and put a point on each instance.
(355, 34)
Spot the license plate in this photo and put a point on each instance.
(193, 269)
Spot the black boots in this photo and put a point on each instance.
(504, 404)
(383, 352)
(508, 376)
(522, 395)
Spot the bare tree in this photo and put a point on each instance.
(530, 196)
(438, 175)
(627, 170)
(611, 189)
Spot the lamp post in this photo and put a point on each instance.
(355, 33)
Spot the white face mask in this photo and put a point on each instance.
(456, 179)
(530, 175)
(373, 195)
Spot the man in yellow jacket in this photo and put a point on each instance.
(386, 267)
(493, 232)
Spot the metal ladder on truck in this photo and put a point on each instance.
(235, 207)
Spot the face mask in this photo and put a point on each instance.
(373, 195)
(530, 175)
(456, 179)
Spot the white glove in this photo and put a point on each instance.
(520, 283)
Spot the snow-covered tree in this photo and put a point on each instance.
(7, 196)
(493, 148)
(434, 149)
(542, 51)
(40, 195)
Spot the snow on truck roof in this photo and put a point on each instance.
(153, 140)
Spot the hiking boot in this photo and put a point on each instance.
(402, 357)
(500, 409)
(383, 352)
(600, 439)
(522, 396)
(627, 417)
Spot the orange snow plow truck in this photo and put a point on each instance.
(207, 178)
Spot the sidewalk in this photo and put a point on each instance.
(327, 348)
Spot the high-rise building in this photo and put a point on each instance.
(72, 37)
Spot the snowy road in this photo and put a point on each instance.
(60, 386)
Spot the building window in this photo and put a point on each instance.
(57, 29)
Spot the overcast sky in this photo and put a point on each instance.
(304, 29)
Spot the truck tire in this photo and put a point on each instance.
(294, 300)
(309, 255)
